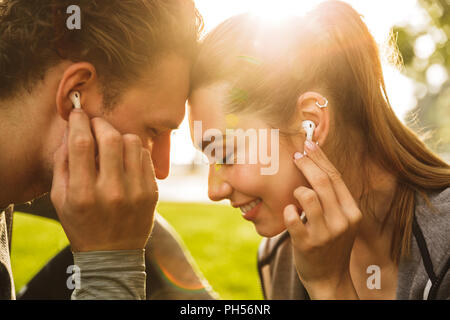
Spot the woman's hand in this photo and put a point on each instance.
(322, 246)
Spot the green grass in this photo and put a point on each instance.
(35, 240)
(223, 245)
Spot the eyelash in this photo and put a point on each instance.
(224, 159)
(153, 132)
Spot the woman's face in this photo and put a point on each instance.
(260, 197)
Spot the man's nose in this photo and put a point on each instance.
(218, 187)
(161, 155)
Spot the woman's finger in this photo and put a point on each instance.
(310, 204)
(294, 225)
(344, 197)
(322, 185)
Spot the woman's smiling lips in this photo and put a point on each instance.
(250, 209)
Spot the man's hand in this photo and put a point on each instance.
(106, 202)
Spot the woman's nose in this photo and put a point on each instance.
(218, 187)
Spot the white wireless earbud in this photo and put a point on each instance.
(75, 97)
(309, 127)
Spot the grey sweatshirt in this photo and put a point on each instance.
(101, 274)
(422, 276)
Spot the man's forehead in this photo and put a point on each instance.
(169, 70)
(167, 88)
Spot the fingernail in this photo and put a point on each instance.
(310, 145)
(298, 155)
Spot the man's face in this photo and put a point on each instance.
(153, 108)
(149, 109)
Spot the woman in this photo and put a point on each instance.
(367, 209)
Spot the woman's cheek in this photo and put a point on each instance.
(247, 177)
(284, 183)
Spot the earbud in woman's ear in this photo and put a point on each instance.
(309, 127)
(75, 97)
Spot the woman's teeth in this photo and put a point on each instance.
(250, 206)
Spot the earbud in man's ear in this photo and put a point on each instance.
(75, 97)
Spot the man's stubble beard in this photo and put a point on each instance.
(41, 178)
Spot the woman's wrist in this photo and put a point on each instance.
(340, 289)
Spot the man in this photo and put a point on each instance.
(130, 62)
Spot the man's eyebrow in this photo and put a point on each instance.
(171, 125)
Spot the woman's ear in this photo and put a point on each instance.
(309, 110)
(79, 77)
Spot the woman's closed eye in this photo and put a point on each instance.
(228, 158)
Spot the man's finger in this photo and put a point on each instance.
(81, 148)
(132, 148)
(148, 169)
(110, 149)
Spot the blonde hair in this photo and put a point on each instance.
(332, 51)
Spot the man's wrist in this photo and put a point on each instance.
(125, 257)
(108, 275)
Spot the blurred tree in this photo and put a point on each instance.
(425, 51)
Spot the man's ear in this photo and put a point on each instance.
(308, 110)
(81, 77)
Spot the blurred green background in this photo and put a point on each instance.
(425, 51)
(223, 245)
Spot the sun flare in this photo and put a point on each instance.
(277, 11)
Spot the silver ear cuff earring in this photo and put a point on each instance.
(324, 105)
